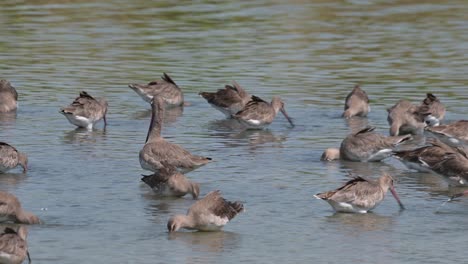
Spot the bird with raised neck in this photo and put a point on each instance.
(158, 150)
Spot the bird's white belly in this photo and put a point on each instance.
(254, 123)
(80, 121)
(347, 207)
(212, 223)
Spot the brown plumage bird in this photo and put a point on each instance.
(365, 145)
(433, 110)
(454, 134)
(11, 211)
(258, 113)
(170, 182)
(356, 103)
(157, 150)
(229, 100)
(439, 158)
(208, 214)
(165, 88)
(13, 245)
(86, 111)
(8, 97)
(360, 195)
(406, 118)
(10, 158)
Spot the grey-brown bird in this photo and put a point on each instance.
(406, 118)
(365, 145)
(86, 111)
(356, 103)
(157, 150)
(8, 97)
(11, 211)
(10, 158)
(208, 214)
(432, 109)
(170, 182)
(165, 88)
(13, 245)
(258, 113)
(439, 158)
(229, 100)
(360, 195)
(454, 134)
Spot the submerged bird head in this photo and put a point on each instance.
(330, 154)
(23, 161)
(175, 223)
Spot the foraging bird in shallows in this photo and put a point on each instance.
(229, 100)
(432, 109)
(11, 211)
(10, 158)
(439, 158)
(208, 214)
(454, 134)
(8, 97)
(157, 150)
(363, 146)
(13, 245)
(360, 195)
(86, 111)
(258, 113)
(165, 88)
(356, 103)
(170, 182)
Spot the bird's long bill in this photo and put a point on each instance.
(392, 190)
(287, 117)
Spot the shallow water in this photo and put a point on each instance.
(86, 185)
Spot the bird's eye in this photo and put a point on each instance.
(153, 83)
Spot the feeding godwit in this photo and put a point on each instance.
(157, 150)
(454, 134)
(10, 157)
(406, 118)
(356, 103)
(8, 97)
(165, 88)
(170, 182)
(439, 158)
(360, 195)
(208, 214)
(13, 245)
(257, 113)
(229, 100)
(433, 110)
(86, 111)
(365, 145)
(11, 210)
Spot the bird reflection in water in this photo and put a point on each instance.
(7, 118)
(207, 241)
(237, 136)
(357, 223)
(171, 114)
(12, 178)
(82, 135)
